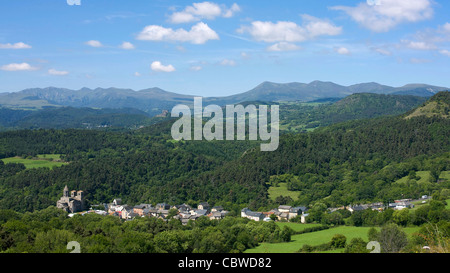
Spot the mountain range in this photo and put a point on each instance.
(155, 100)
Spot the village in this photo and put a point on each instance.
(74, 203)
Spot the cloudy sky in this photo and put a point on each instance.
(220, 48)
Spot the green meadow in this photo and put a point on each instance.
(274, 192)
(316, 238)
(424, 177)
(41, 161)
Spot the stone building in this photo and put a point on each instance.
(71, 203)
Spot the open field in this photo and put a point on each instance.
(425, 177)
(40, 162)
(297, 226)
(317, 238)
(274, 192)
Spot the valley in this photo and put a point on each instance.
(362, 149)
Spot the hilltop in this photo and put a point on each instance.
(155, 100)
(350, 162)
(438, 105)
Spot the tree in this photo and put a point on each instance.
(172, 213)
(373, 234)
(401, 217)
(392, 238)
(286, 233)
(338, 241)
(435, 172)
(273, 217)
(334, 218)
(356, 245)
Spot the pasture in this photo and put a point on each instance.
(316, 238)
(41, 161)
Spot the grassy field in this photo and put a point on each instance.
(317, 238)
(40, 161)
(425, 177)
(445, 175)
(274, 192)
(297, 226)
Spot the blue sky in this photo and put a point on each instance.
(219, 48)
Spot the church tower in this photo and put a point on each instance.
(66, 192)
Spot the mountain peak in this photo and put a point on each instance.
(437, 105)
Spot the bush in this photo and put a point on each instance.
(338, 241)
(356, 245)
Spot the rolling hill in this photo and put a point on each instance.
(154, 100)
(295, 116)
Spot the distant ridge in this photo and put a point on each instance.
(155, 100)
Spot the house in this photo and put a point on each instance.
(217, 208)
(128, 212)
(200, 212)
(256, 216)
(403, 205)
(139, 209)
(357, 208)
(163, 212)
(296, 211)
(162, 206)
(183, 208)
(215, 215)
(185, 221)
(303, 218)
(184, 214)
(203, 206)
(117, 202)
(283, 208)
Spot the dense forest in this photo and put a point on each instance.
(50, 231)
(352, 162)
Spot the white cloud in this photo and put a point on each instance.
(419, 61)
(445, 52)
(127, 45)
(230, 12)
(15, 46)
(158, 67)
(18, 67)
(285, 31)
(227, 62)
(446, 28)
(342, 51)
(421, 45)
(196, 68)
(382, 51)
(94, 43)
(57, 73)
(389, 13)
(137, 74)
(432, 39)
(198, 34)
(245, 55)
(204, 10)
(283, 46)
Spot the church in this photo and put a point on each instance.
(73, 202)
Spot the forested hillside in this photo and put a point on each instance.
(344, 163)
(297, 117)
